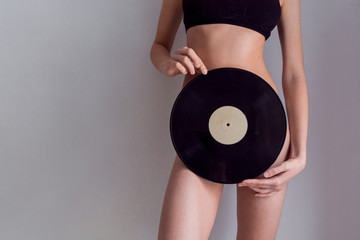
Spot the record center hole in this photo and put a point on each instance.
(228, 124)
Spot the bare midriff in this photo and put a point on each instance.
(224, 45)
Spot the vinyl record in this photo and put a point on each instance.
(228, 125)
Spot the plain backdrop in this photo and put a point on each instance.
(85, 148)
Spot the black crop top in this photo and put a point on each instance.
(259, 15)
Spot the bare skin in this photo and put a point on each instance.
(191, 202)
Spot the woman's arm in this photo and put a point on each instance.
(293, 77)
(168, 25)
(185, 59)
(296, 99)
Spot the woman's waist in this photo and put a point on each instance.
(236, 54)
(229, 54)
(226, 44)
(257, 68)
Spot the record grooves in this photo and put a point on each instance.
(228, 125)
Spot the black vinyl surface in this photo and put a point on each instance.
(205, 156)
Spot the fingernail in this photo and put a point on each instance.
(266, 174)
(198, 65)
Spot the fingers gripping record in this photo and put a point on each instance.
(276, 178)
(189, 61)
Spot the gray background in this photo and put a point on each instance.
(85, 148)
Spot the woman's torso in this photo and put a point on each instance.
(226, 45)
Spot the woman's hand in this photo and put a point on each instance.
(275, 178)
(183, 61)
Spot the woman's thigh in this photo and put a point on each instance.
(190, 205)
(259, 217)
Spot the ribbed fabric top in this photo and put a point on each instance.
(259, 15)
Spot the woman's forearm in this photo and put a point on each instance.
(158, 55)
(297, 107)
